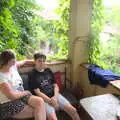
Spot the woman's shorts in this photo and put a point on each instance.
(11, 108)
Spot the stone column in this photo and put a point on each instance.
(79, 35)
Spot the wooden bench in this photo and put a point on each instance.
(58, 68)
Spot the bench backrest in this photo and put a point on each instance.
(58, 68)
(57, 76)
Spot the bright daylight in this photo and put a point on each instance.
(59, 59)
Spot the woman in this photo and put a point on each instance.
(14, 101)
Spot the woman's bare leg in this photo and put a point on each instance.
(27, 112)
(35, 108)
(39, 107)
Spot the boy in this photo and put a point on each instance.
(41, 82)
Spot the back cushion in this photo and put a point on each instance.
(24, 77)
(58, 80)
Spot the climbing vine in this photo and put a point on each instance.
(97, 23)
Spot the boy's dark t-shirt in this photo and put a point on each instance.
(43, 80)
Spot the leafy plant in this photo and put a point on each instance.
(104, 54)
(97, 24)
(61, 29)
(24, 16)
(9, 32)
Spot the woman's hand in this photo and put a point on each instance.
(26, 92)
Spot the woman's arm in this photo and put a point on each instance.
(6, 89)
(24, 62)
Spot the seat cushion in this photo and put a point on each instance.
(58, 80)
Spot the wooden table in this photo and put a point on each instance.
(102, 107)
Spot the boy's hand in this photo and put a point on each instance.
(54, 103)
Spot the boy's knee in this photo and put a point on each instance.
(52, 116)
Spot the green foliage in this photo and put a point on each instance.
(61, 29)
(106, 53)
(22, 30)
(113, 16)
(8, 30)
(33, 28)
(96, 28)
(111, 55)
(17, 26)
(43, 29)
(23, 16)
(111, 48)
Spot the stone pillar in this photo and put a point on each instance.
(79, 35)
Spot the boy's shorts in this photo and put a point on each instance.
(62, 101)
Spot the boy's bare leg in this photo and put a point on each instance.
(72, 112)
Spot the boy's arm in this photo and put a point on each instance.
(40, 94)
(56, 93)
(46, 98)
(56, 90)
(54, 99)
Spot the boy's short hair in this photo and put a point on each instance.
(39, 55)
